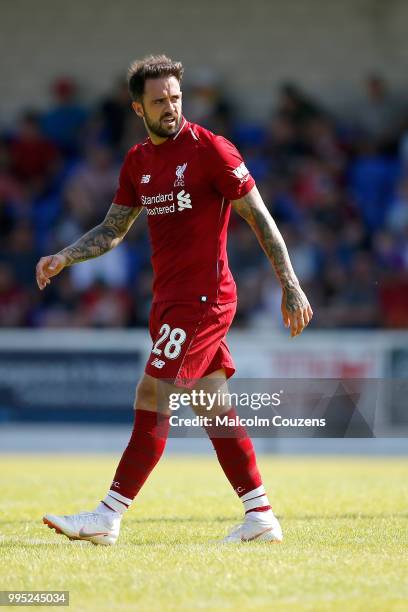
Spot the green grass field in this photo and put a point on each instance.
(345, 548)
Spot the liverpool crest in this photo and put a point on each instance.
(180, 170)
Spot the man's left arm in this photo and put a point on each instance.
(296, 310)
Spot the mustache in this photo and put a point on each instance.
(168, 116)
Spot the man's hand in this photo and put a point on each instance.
(49, 266)
(296, 310)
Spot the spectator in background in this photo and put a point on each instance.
(116, 113)
(34, 158)
(207, 103)
(388, 253)
(95, 179)
(320, 138)
(103, 305)
(380, 111)
(403, 142)
(397, 215)
(18, 250)
(13, 202)
(14, 300)
(353, 298)
(61, 306)
(372, 178)
(296, 106)
(63, 123)
(283, 144)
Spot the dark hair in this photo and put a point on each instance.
(151, 67)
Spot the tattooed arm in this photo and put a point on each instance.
(99, 240)
(296, 310)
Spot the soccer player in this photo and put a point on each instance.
(186, 179)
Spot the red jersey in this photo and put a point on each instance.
(186, 184)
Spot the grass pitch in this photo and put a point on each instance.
(344, 520)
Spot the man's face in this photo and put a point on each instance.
(160, 107)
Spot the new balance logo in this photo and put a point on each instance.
(180, 170)
(158, 363)
(183, 200)
(242, 172)
(145, 178)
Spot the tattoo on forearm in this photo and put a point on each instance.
(296, 309)
(252, 208)
(104, 236)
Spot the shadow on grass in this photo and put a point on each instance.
(224, 519)
(305, 517)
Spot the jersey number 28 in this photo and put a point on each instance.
(176, 338)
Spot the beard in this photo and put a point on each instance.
(159, 128)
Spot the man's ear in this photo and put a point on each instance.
(138, 108)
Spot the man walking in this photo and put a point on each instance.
(186, 178)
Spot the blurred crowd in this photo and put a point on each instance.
(336, 185)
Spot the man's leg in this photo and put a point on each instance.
(145, 447)
(236, 455)
(142, 453)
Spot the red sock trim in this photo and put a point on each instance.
(118, 500)
(260, 509)
(256, 497)
(105, 504)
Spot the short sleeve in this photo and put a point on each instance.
(231, 177)
(126, 194)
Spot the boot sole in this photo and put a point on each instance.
(93, 540)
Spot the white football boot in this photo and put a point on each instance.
(257, 527)
(96, 527)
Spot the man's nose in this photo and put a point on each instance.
(169, 106)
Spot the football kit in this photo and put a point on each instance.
(186, 185)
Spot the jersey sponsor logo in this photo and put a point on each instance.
(180, 170)
(158, 363)
(183, 200)
(157, 199)
(161, 210)
(145, 178)
(241, 172)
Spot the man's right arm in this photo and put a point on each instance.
(99, 240)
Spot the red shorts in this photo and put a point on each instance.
(189, 341)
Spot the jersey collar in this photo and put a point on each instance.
(172, 140)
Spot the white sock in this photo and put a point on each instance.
(114, 503)
(102, 509)
(256, 498)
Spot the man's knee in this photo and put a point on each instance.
(152, 394)
(146, 394)
(215, 394)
